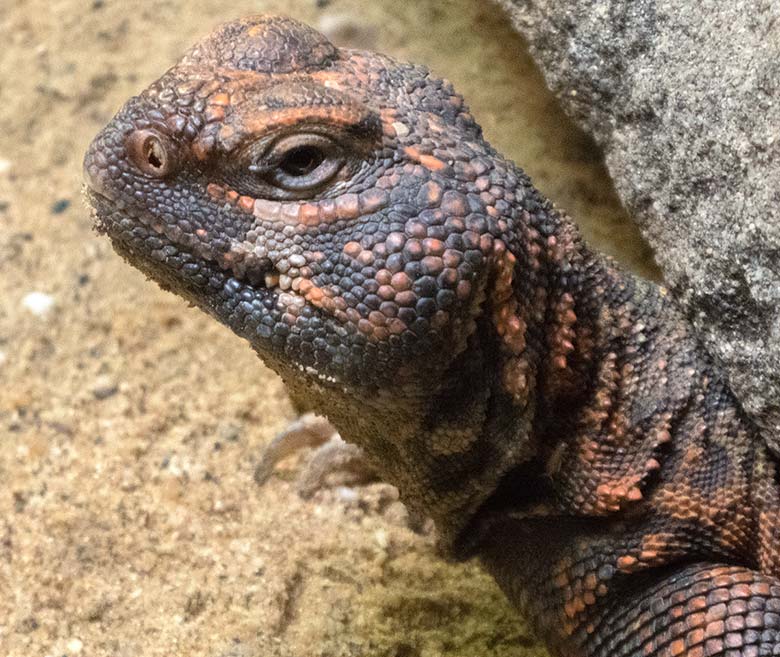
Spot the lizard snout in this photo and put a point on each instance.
(95, 171)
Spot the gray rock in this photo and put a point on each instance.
(684, 98)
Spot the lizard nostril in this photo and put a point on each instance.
(152, 153)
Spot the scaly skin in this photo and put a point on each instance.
(554, 415)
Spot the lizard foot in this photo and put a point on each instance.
(332, 457)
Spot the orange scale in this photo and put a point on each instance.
(348, 206)
(246, 203)
(309, 214)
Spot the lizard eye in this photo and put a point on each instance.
(152, 153)
(301, 163)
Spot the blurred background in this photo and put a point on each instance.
(130, 424)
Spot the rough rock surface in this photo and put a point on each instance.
(684, 98)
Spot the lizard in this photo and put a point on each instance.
(554, 415)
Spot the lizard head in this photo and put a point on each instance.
(336, 208)
(342, 212)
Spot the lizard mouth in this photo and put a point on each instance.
(101, 208)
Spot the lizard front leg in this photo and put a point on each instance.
(585, 601)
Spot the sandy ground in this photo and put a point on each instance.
(130, 424)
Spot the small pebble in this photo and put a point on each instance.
(238, 650)
(74, 646)
(346, 494)
(227, 431)
(3, 357)
(5, 166)
(38, 303)
(104, 388)
(380, 536)
(59, 206)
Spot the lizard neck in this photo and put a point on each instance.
(508, 402)
(445, 444)
(442, 444)
(448, 442)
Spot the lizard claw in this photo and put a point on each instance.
(331, 455)
(309, 430)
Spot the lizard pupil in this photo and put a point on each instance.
(301, 161)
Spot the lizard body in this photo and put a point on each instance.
(553, 414)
